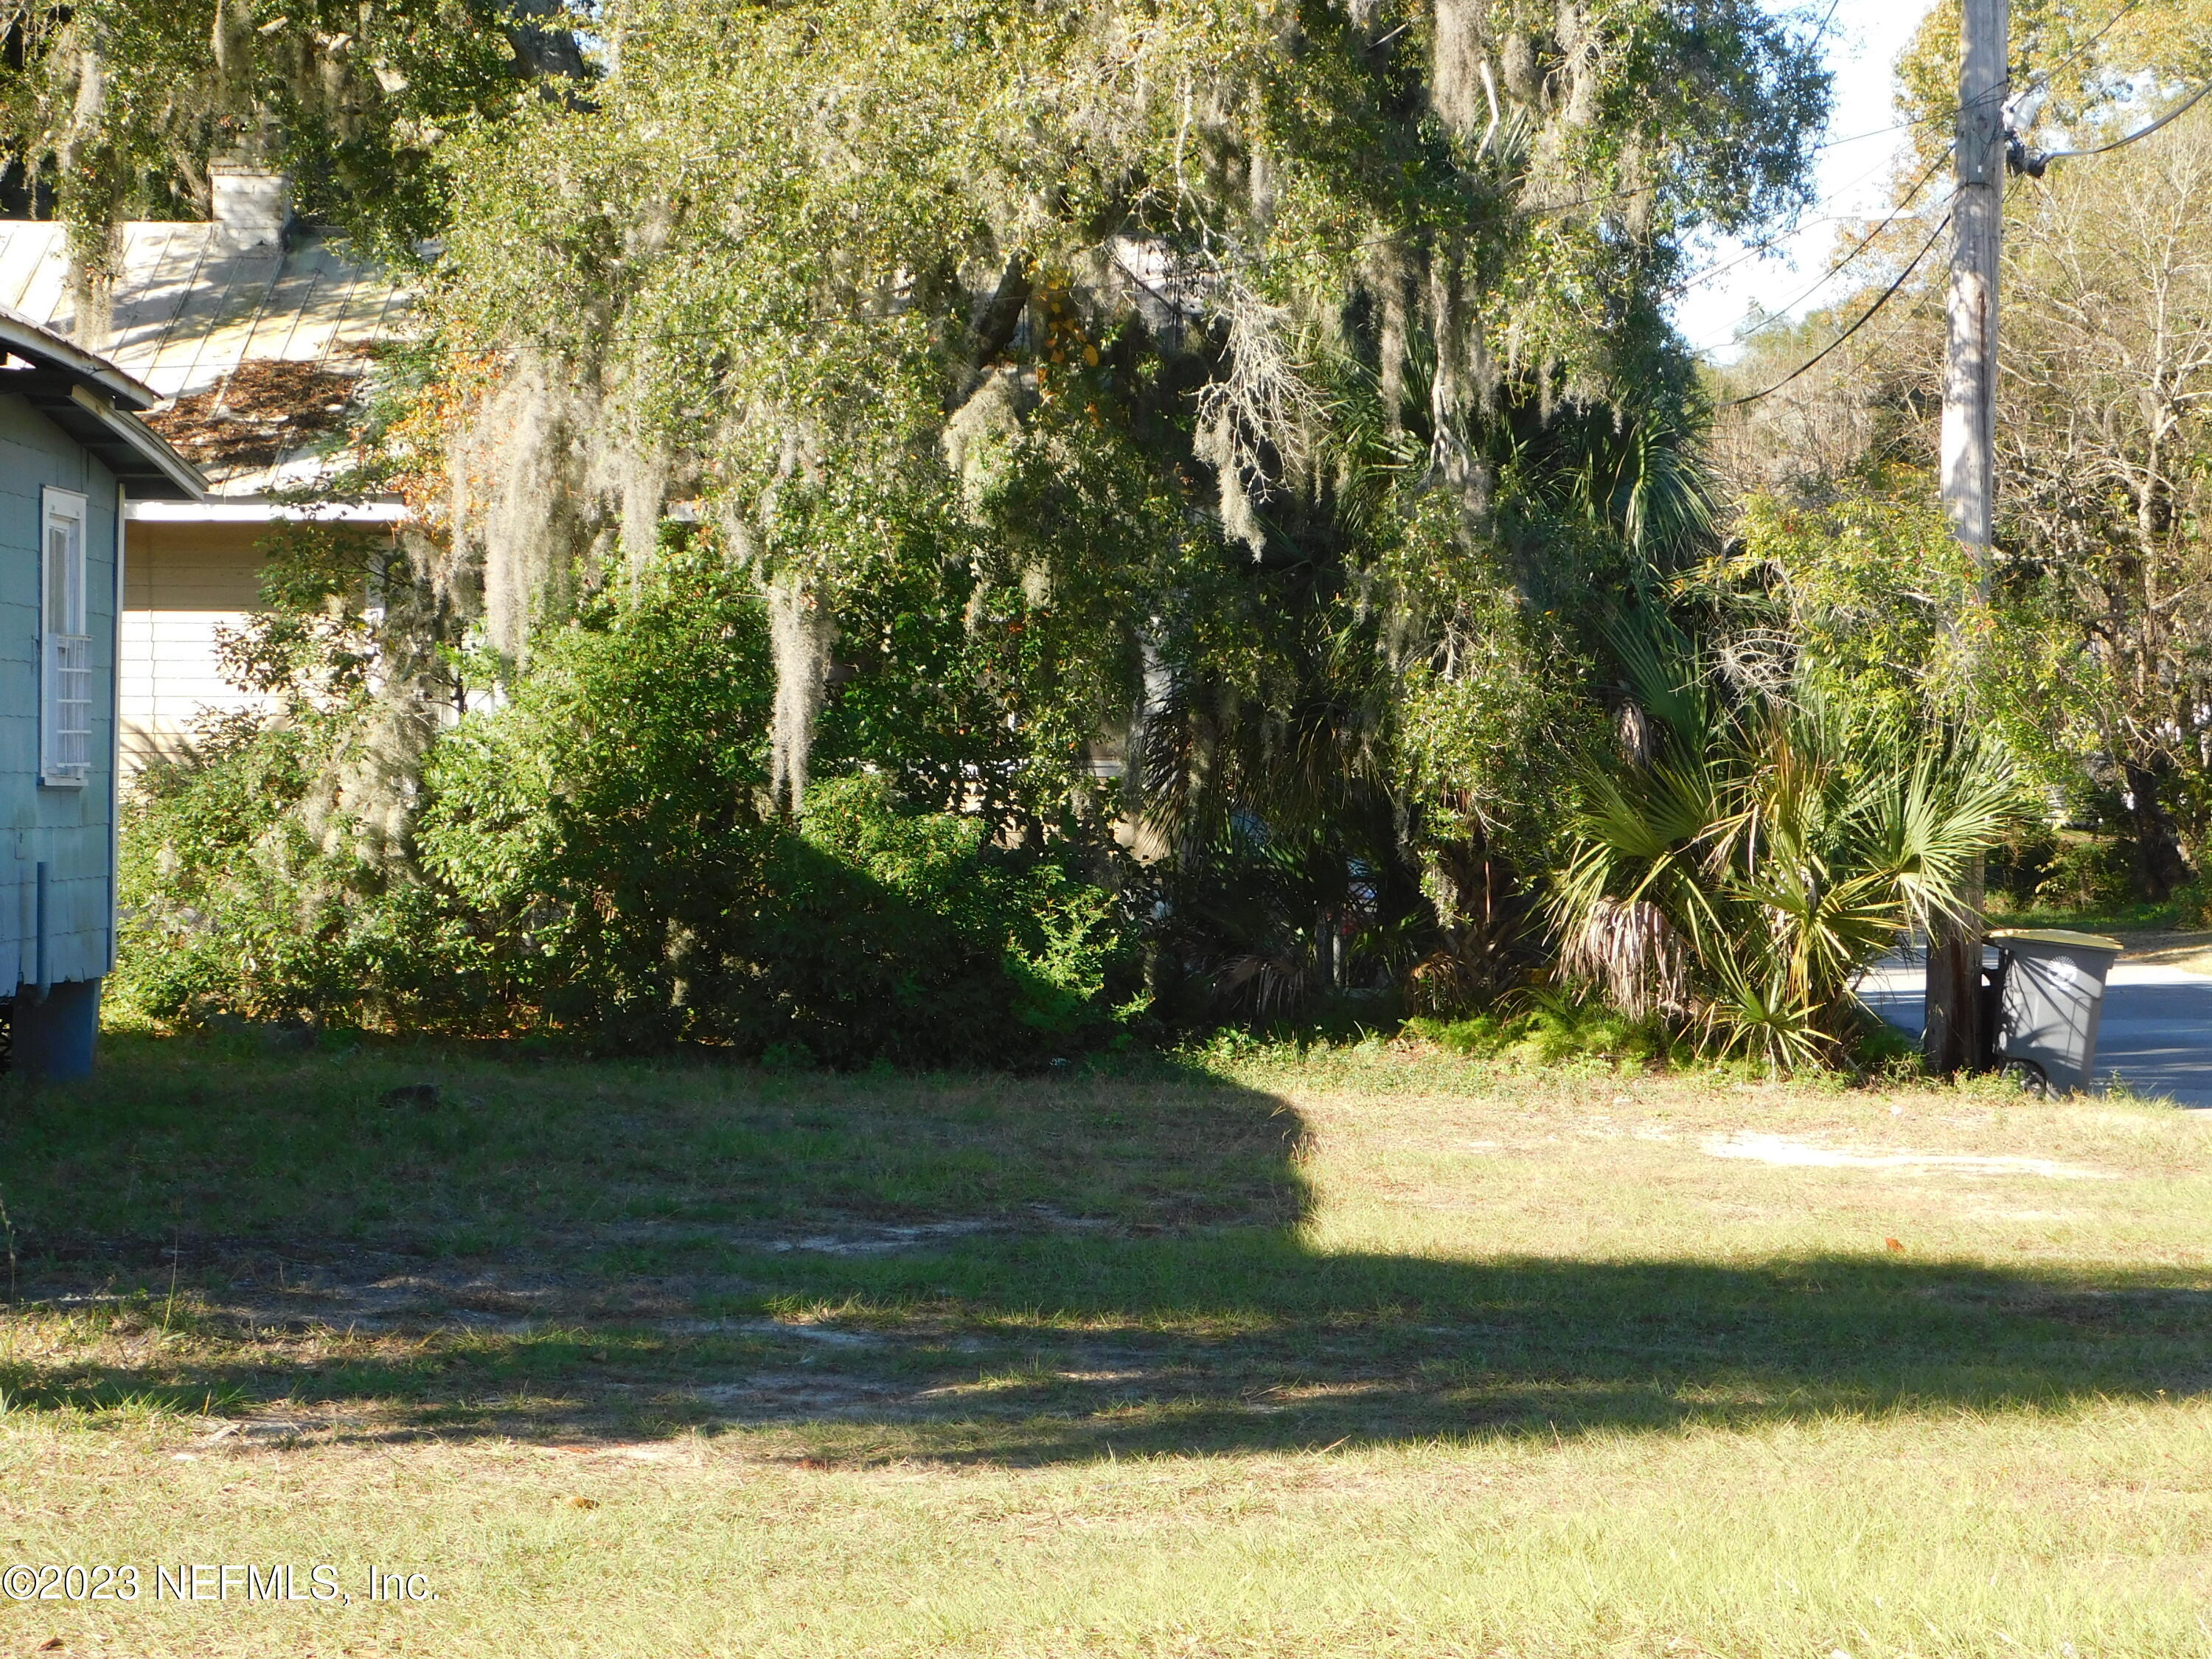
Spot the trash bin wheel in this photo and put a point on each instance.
(2032, 1078)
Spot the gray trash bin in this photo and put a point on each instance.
(2051, 985)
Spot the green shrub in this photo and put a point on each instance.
(1735, 879)
(2015, 869)
(885, 932)
(2192, 905)
(1551, 1030)
(228, 902)
(2086, 875)
(598, 833)
(593, 860)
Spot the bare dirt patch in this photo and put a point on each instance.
(1789, 1152)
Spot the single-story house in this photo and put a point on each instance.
(255, 333)
(75, 457)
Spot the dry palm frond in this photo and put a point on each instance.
(1631, 954)
(1269, 985)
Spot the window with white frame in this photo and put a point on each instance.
(64, 645)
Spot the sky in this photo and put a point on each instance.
(1864, 40)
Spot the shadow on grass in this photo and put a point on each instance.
(957, 1269)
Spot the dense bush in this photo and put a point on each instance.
(884, 932)
(2040, 869)
(594, 859)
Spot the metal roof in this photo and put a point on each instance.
(193, 302)
(97, 404)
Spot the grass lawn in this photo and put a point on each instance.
(1376, 1352)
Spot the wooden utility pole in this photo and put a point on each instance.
(1953, 1032)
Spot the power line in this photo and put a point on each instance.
(1844, 264)
(2122, 141)
(1753, 250)
(1764, 245)
(1891, 292)
(2086, 44)
(1945, 114)
(1887, 294)
(1877, 132)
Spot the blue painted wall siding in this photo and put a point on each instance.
(69, 830)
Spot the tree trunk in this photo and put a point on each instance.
(2157, 864)
(1952, 1037)
(542, 51)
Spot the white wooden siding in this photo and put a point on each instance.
(182, 582)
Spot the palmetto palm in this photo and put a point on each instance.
(1738, 878)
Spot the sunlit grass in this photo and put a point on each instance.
(1363, 1351)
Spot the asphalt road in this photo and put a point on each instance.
(2156, 1032)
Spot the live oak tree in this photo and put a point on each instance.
(1268, 362)
(1273, 397)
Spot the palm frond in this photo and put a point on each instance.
(1740, 882)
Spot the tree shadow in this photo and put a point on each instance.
(1089, 1268)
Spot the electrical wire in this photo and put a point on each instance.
(1753, 250)
(2101, 149)
(2122, 141)
(2086, 44)
(1879, 132)
(1887, 294)
(1845, 264)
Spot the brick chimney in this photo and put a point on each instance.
(252, 204)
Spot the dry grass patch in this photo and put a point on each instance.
(2191, 951)
(1374, 1352)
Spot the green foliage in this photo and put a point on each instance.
(2045, 870)
(212, 872)
(985, 666)
(593, 861)
(894, 935)
(1736, 879)
(2086, 875)
(114, 109)
(1554, 1030)
(1486, 724)
(1870, 598)
(1218, 390)
(599, 829)
(1191, 430)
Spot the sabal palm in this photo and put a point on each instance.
(1740, 878)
